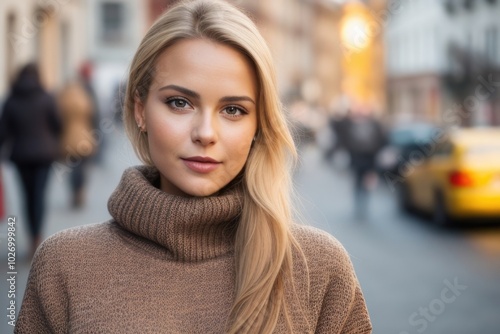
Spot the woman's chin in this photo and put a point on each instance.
(199, 190)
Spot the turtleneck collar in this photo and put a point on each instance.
(191, 228)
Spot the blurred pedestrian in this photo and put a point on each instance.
(202, 238)
(86, 74)
(363, 137)
(78, 142)
(327, 139)
(118, 100)
(30, 123)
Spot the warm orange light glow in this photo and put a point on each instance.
(354, 32)
(359, 80)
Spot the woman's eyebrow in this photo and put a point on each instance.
(195, 95)
(236, 99)
(183, 90)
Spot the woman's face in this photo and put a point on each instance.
(200, 116)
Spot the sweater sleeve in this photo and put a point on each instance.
(358, 320)
(45, 304)
(343, 310)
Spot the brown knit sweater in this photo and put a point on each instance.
(165, 264)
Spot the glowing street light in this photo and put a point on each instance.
(354, 32)
(356, 38)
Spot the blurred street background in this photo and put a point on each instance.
(396, 108)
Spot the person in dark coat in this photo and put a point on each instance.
(31, 125)
(363, 137)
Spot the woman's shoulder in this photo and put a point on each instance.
(335, 298)
(80, 238)
(313, 237)
(321, 248)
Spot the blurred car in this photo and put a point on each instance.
(402, 140)
(460, 178)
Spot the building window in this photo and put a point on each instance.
(491, 44)
(113, 22)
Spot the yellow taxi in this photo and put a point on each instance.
(455, 176)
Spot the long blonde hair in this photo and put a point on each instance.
(263, 245)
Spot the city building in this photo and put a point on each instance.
(327, 53)
(473, 75)
(60, 35)
(51, 33)
(415, 42)
(114, 31)
(435, 53)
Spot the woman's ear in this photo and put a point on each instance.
(139, 113)
(254, 139)
(256, 136)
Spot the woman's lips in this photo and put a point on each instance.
(201, 164)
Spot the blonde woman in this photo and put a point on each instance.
(201, 239)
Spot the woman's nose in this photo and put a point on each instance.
(204, 130)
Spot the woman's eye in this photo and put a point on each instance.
(178, 103)
(234, 111)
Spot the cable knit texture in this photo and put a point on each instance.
(165, 264)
